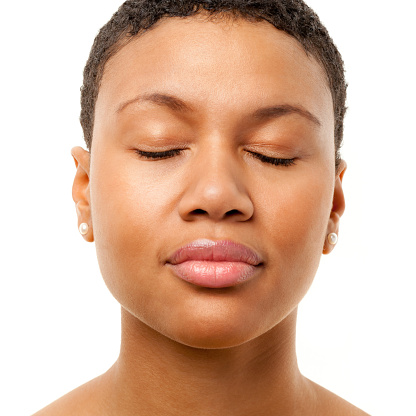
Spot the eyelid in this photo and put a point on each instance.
(160, 155)
(273, 160)
(167, 154)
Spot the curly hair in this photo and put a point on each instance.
(291, 16)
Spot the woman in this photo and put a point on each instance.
(211, 186)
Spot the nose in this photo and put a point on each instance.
(215, 190)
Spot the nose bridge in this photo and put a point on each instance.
(217, 174)
(217, 158)
(216, 187)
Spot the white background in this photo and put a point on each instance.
(60, 325)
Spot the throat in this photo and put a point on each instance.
(156, 375)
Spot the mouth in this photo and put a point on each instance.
(215, 264)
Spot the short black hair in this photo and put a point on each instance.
(291, 16)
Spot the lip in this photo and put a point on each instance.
(214, 264)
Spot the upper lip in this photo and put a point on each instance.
(218, 251)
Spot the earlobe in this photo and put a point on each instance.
(81, 191)
(338, 208)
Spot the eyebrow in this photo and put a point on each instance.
(178, 105)
(283, 110)
(170, 101)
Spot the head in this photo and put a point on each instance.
(217, 120)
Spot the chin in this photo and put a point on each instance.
(215, 331)
(213, 341)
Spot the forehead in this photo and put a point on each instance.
(222, 66)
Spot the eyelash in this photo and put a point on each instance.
(176, 152)
(273, 160)
(159, 155)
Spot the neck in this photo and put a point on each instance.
(156, 375)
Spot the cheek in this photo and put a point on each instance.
(126, 213)
(300, 218)
(293, 222)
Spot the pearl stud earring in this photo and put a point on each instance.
(332, 239)
(83, 228)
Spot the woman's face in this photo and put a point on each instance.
(223, 93)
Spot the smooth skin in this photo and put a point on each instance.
(241, 89)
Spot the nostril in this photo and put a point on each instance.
(232, 212)
(198, 212)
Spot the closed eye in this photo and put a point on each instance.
(273, 160)
(167, 154)
(159, 155)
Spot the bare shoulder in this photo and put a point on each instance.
(333, 405)
(85, 400)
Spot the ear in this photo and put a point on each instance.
(338, 207)
(81, 189)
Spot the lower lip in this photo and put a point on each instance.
(214, 274)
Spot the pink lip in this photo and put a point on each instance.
(214, 264)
